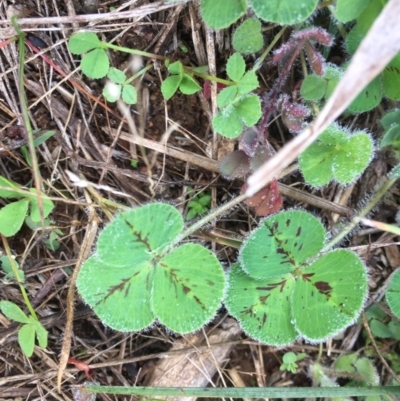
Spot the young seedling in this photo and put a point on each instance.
(6, 266)
(30, 329)
(198, 205)
(289, 361)
(281, 290)
(13, 215)
(134, 279)
(179, 79)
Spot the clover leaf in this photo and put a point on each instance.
(336, 155)
(133, 279)
(237, 106)
(279, 293)
(393, 294)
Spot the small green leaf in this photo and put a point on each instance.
(9, 193)
(82, 42)
(95, 64)
(391, 79)
(170, 85)
(249, 109)
(346, 363)
(284, 12)
(389, 120)
(313, 87)
(112, 91)
(248, 83)
(12, 216)
(219, 14)
(41, 332)
(227, 96)
(228, 123)
(116, 75)
(47, 204)
(26, 339)
(353, 40)
(6, 266)
(189, 85)
(13, 312)
(176, 68)
(368, 98)
(248, 38)
(349, 10)
(391, 137)
(367, 370)
(393, 294)
(235, 67)
(129, 94)
(43, 138)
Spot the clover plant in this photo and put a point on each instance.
(13, 215)
(237, 106)
(336, 155)
(135, 278)
(283, 290)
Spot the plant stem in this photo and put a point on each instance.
(265, 53)
(17, 276)
(212, 215)
(132, 51)
(247, 392)
(209, 77)
(138, 74)
(375, 199)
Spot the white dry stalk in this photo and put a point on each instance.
(377, 49)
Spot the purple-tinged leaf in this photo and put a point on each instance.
(319, 35)
(249, 140)
(315, 59)
(235, 164)
(262, 154)
(266, 201)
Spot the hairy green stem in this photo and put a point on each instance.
(265, 53)
(247, 392)
(375, 199)
(212, 215)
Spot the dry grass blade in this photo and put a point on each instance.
(380, 45)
